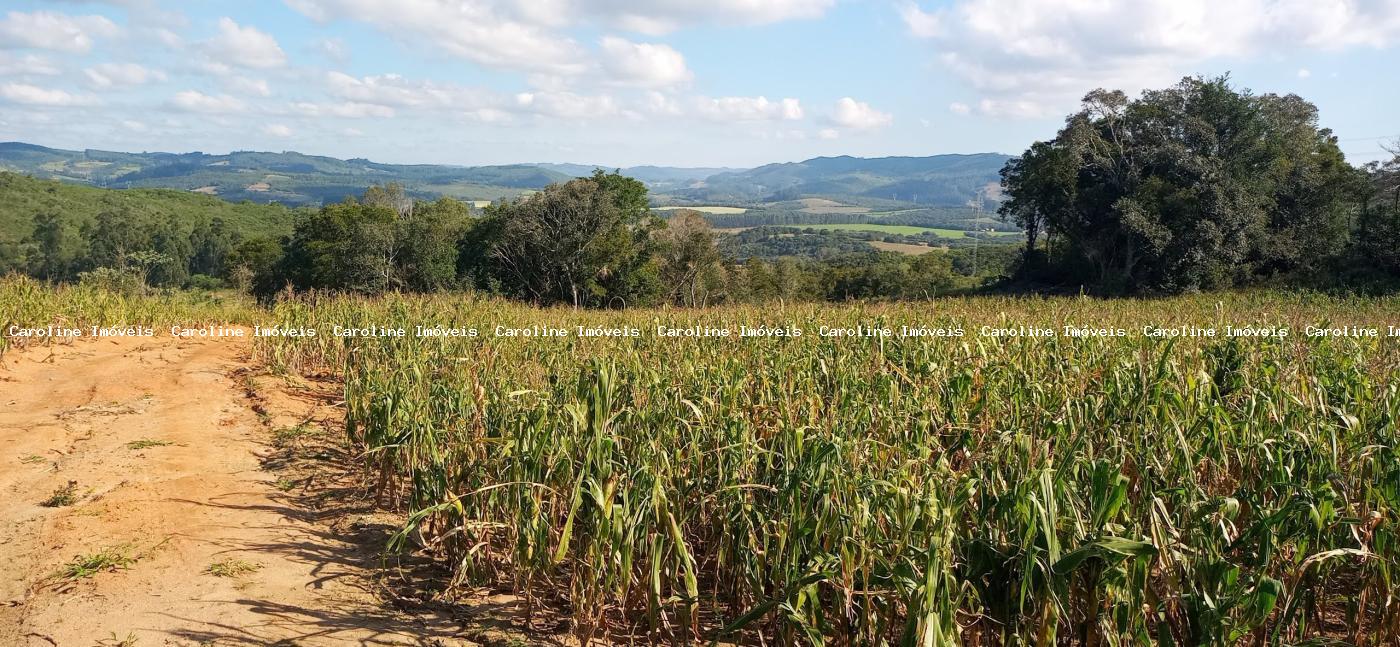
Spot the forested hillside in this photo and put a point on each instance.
(23, 197)
(290, 178)
(297, 179)
(57, 230)
(940, 180)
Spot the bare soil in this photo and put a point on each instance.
(163, 492)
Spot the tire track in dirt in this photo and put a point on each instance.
(150, 453)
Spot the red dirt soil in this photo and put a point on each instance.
(167, 460)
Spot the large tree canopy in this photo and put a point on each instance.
(1192, 187)
(583, 242)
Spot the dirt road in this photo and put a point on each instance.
(138, 507)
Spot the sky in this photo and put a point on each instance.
(668, 82)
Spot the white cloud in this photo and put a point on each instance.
(334, 49)
(1015, 108)
(649, 65)
(661, 16)
(567, 105)
(728, 109)
(488, 116)
(959, 108)
(277, 130)
(921, 23)
(346, 110)
(1304, 73)
(248, 86)
(858, 115)
(1038, 57)
(244, 46)
(55, 31)
(477, 30)
(135, 126)
(482, 30)
(169, 39)
(36, 96)
(395, 90)
(658, 103)
(195, 101)
(115, 75)
(829, 133)
(28, 64)
(530, 36)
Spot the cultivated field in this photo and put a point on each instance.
(990, 488)
(723, 211)
(902, 230)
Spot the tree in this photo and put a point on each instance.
(344, 246)
(686, 248)
(211, 241)
(390, 196)
(1194, 186)
(1040, 187)
(52, 248)
(1379, 236)
(428, 244)
(172, 247)
(111, 237)
(583, 242)
(252, 265)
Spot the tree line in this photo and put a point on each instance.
(590, 242)
(1195, 187)
(1199, 186)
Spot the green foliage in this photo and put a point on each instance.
(1197, 186)
(252, 265)
(232, 567)
(62, 497)
(690, 263)
(941, 180)
(898, 491)
(108, 559)
(76, 207)
(387, 242)
(1380, 217)
(286, 178)
(586, 242)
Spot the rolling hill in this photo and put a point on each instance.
(23, 197)
(289, 178)
(660, 179)
(940, 180)
(297, 179)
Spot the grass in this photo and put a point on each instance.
(231, 568)
(902, 248)
(116, 641)
(147, 443)
(31, 459)
(287, 436)
(285, 484)
(108, 559)
(62, 497)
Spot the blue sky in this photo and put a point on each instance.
(673, 82)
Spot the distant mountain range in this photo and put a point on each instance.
(940, 180)
(289, 178)
(296, 179)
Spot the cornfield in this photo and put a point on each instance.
(900, 490)
(885, 490)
